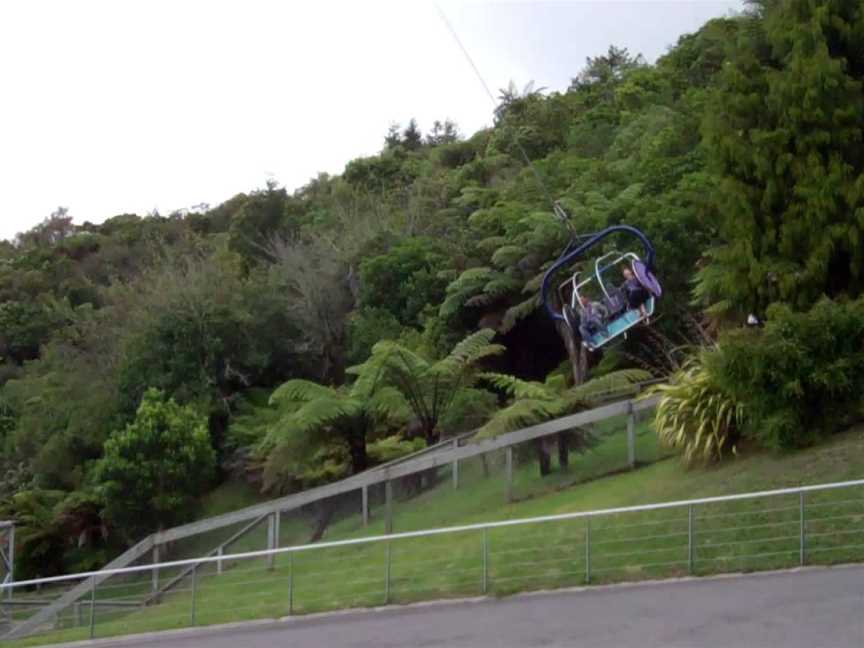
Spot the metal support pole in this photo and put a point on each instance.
(631, 437)
(194, 590)
(10, 568)
(92, 607)
(219, 552)
(291, 583)
(155, 574)
(10, 574)
(801, 558)
(387, 575)
(455, 469)
(510, 474)
(388, 506)
(79, 619)
(690, 538)
(485, 557)
(272, 542)
(365, 505)
(587, 550)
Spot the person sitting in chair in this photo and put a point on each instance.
(635, 292)
(592, 319)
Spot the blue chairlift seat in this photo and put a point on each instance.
(619, 325)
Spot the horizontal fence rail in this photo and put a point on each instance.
(443, 531)
(449, 452)
(819, 524)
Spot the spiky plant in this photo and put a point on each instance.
(694, 414)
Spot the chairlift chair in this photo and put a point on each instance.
(621, 317)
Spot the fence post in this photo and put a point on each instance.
(219, 552)
(291, 583)
(387, 575)
(10, 573)
(155, 575)
(690, 539)
(801, 558)
(92, 607)
(455, 469)
(78, 617)
(388, 506)
(588, 550)
(194, 588)
(631, 436)
(365, 505)
(272, 541)
(485, 557)
(509, 474)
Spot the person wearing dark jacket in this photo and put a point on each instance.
(635, 293)
(592, 319)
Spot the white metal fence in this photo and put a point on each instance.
(820, 524)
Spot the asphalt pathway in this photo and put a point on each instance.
(812, 608)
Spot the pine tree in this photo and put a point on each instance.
(412, 138)
(784, 133)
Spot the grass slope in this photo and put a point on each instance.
(741, 536)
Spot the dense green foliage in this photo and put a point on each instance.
(788, 385)
(784, 128)
(800, 378)
(153, 469)
(300, 337)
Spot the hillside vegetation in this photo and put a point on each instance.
(288, 339)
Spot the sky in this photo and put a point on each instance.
(130, 106)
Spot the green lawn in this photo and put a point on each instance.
(745, 536)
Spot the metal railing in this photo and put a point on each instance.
(819, 524)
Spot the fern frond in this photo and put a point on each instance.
(517, 313)
(492, 243)
(520, 414)
(612, 384)
(507, 256)
(299, 391)
(470, 351)
(518, 388)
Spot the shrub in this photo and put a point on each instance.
(801, 377)
(154, 469)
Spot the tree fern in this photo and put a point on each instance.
(429, 387)
(535, 402)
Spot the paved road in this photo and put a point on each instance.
(809, 609)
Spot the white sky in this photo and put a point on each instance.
(113, 106)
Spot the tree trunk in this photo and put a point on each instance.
(323, 514)
(563, 450)
(543, 457)
(357, 450)
(578, 356)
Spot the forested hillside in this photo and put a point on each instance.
(290, 339)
